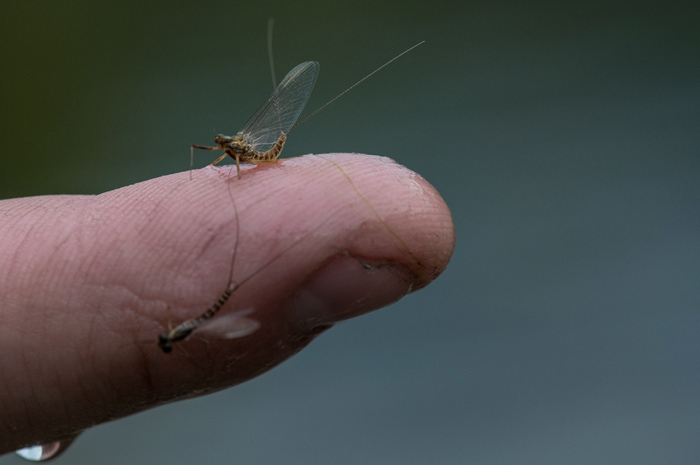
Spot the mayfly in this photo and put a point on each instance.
(262, 138)
(243, 325)
(233, 325)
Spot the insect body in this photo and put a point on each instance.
(232, 325)
(242, 326)
(185, 329)
(262, 138)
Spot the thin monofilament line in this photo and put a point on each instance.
(356, 84)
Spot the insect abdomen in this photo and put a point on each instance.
(274, 151)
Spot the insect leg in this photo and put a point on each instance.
(204, 147)
(219, 159)
(201, 147)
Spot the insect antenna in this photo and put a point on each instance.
(270, 25)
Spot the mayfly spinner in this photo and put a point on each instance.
(233, 325)
(243, 326)
(262, 138)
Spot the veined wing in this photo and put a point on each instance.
(280, 111)
(229, 326)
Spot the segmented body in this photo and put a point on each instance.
(182, 331)
(238, 148)
(263, 136)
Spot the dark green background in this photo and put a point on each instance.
(563, 136)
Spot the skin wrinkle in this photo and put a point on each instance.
(93, 341)
(115, 246)
(157, 207)
(213, 237)
(63, 402)
(157, 204)
(150, 220)
(95, 397)
(8, 394)
(235, 221)
(61, 262)
(24, 244)
(197, 253)
(393, 268)
(270, 193)
(31, 401)
(16, 262)
(30, 423)
(73, 225)
(146, 375)
(369, 205)
(3, 412)
(85, 359)
(25, 400)
(131, 295)
(364, 229)
(103, 288)
(133, 315)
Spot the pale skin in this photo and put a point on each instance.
(88, 282)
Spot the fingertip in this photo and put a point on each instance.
(387, 198)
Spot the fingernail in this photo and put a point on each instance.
(346, 288)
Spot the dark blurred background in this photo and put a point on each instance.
(563, 136)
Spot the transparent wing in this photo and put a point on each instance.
(280, 111)
(229, 326)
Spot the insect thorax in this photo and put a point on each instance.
(237, 145)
